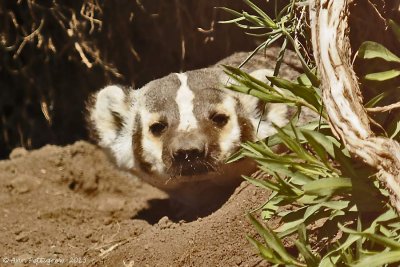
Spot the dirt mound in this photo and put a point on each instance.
(70, 206)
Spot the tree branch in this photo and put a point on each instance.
(342, 96)
(385, 108)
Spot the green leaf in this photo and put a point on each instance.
(385, 241)
(334, 205)
(249, 81)
(370, 50)
(265, 252)
(303, 80)
(288, 187)
(394, 127)
(279, 59)
(346, 164)
(310, 74)
(235, 157)
(321, 151)
(272, 205)
(375, 100)
(395, 29)
(312, 125)
(295, 146)
(383, 76)
(272, 240)
(312, 169)
(304, 248)
(289, 225)
(268, 21)
(329, 261)
(331, 257)
(326, 186)
(231, 20)
(231, 11)
(310, 259)
(248, 27)
(261, 95)
(254, 19)
(379, 259)
(263, 183)
(309, 215)
(396, 130)
(302, 232)
(327, 142)
(304, 92)
(360, 241)
(261, 149)
(297, 177)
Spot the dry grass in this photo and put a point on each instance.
(54, 53)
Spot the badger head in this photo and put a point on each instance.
(180, 128)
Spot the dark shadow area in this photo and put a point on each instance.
(157, 208)
(176, 211)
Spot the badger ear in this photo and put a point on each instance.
(251, 105)
(110, 118)
(106, 113)
(274, 113)
(262, 120)
(261, 74)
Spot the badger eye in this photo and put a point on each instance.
(158, 128)
(219, 119)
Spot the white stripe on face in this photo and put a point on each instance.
(184, 99)
(230, 134)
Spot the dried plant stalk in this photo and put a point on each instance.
(342, 95)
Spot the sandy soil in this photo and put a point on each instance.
(69, 206)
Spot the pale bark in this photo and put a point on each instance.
(342, 96)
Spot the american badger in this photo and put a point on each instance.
(176, 132)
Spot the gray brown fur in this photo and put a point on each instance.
(176, 132)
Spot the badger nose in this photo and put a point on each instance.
(188, 154)
(187, 147)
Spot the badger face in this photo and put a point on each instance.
(189, 126)
(180, 128)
